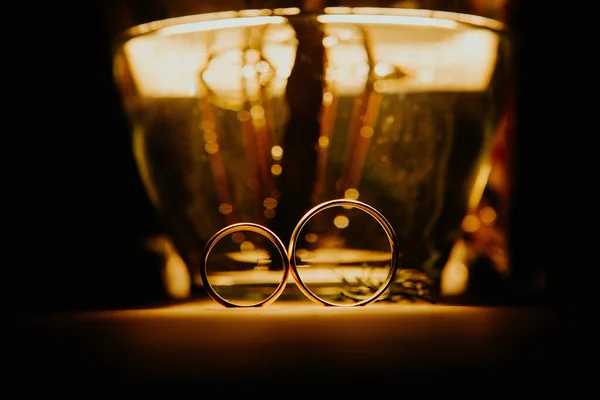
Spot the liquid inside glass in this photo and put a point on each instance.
(258, 116)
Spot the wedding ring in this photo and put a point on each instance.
(390, 260)
(375, 288)
(237, 229)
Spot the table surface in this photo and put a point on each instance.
(203, 346)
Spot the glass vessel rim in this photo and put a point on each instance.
(469, 20)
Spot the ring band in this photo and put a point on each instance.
(244, 227)
(383, 222)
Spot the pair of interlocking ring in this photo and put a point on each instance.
(289, 256)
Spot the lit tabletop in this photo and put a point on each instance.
(202, 342)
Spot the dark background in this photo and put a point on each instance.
(77, 212)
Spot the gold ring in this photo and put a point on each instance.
(247, 227)
(383, 222)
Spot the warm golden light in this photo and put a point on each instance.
(341, 222)
(169, 61)
(270, 203)
(175, 275)
(470, 223)
(211, 148)
(487, 215)
(247, 246)
(251, 255)
(434, 54)
(225, 208)
(455, 275)
(287, 11)
(366, 131)
(276, 169)
(323, 142)
(479, 185)
(352, 194)
(238, 237)
(319, 270)
(204, 26)
(311, 237)
(276, 152)
(386, 19)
